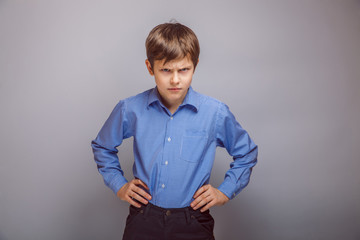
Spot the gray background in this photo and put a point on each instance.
(289, 70)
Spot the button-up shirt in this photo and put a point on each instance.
(174, 153)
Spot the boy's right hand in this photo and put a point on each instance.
(131, 191)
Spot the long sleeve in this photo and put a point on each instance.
(111, 135)
(239, 145)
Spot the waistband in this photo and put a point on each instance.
(156, 210)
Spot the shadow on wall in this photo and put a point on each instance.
(100, 216)
(2, 237)
(235, 219)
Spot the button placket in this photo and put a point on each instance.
(166, 154)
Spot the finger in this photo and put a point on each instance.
(207, 206)
(139, 198)
(132, 202)
(135, 195)
(139, 182)
(197, 200)
(204, 194)
(201, 201)
(200, 191)
(141, 192)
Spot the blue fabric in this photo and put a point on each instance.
(174, 154)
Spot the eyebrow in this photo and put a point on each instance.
(164, 67)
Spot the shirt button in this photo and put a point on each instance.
(166, 162)
(171, 118)
(169, 139)
(163, 185)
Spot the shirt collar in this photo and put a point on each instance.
(191, 99)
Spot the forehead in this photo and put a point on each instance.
(176, 63)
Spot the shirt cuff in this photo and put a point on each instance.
(228, 188)
(117, 182)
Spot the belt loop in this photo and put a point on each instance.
(147, 208)
(187, 214)
(164, 216)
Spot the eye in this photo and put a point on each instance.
(165, 70)
(184, 69)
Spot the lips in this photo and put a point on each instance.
(174, 89)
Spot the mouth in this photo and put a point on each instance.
(174, 89)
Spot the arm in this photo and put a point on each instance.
(105, 146)
(244, 152)
(241, 147)
(111, 135)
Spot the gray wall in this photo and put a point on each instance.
(289, 70)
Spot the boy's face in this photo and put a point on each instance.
(172, 79)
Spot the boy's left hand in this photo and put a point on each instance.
(209, 196)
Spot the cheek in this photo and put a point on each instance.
(188, 79)
(160, 81)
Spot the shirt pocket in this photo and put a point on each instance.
(193, 145)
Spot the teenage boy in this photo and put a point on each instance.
(175, 131)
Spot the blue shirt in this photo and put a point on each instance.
(174, 153)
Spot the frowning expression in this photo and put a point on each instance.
(172, 79)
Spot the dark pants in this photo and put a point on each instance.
(154, 223)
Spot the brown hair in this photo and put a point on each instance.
(171, 41)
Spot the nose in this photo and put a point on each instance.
(175, 79)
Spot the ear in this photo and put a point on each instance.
(148, 66)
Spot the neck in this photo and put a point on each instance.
(173, 108)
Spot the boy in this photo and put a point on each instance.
(176, 131)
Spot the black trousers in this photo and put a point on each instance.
(151, 222)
